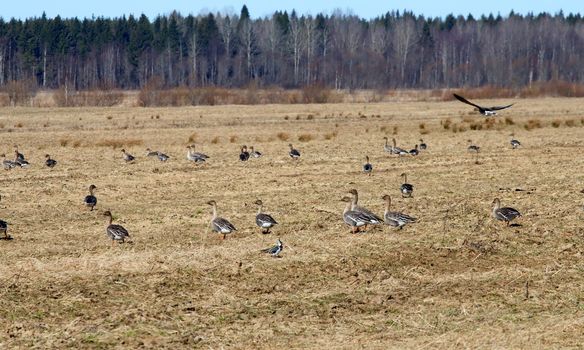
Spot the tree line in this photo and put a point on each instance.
(340, 50)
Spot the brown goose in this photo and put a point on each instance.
(114, 232)
(395, 218)
(263, 220)
(49, 161)
(506, 214)
(90, 200)
(219, 224)
(294, 153)
(353, 218)
(406, 189)
(4, 226)
(372, 219)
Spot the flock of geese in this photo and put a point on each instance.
(354, 215)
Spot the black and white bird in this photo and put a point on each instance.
(4, 226)
(263, 220)
(218, 224)
(472, 147)
(514, 142)
(19, 156)
(275, 250)
(372, 218)
(505, 214)
(244, 154)
(395, 218)
(367, 167)
(115, 232)
(406, 189)
(486, 111)
(7, 163)
(387, 147)
(415, 151)
(254, 153)
(423, 145)
(294, 153)
(355, 219)
(51, 163)
(127, 156)
(90, 200)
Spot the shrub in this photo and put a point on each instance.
(282, 136)
(305, 137)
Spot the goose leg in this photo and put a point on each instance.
(223, 237)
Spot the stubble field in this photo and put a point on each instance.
(455, 279)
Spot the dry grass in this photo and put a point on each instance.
(119, 143)
(456, 279)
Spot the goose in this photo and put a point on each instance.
(414, 152)
(127, 156)
(472, 147)
(371, 217)
(162, 157)
(263, 220)
(294, 153)
(4, 226)
(19, 156)
(353, 218)
(195, 156)
(255, 153)
(275, 250)
(115, 232)
(423, 145)
(387, 148)
(219, 224)
(244, 155)
(90, 200)
(50, 162)
(504, 214)
(367, 167)
(514, 143)
(486, 111)
(397, 150)
(395, 218)
(406, 189)
(7, 163)
(151, 153)
(198, 154)
(19, 159)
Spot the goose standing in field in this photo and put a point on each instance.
(486, 111)
(406, 189)
(255, 153)
(4, 226)
(294, 153)
(372, 219)
(114, 232)
(162, 157)
(387, 147)
(195, 156)
(423, 145)
(19, 159)
(263, 220)
(353, 218)
(198, 154)
(275, 250)
(504, 214)
(19, 156)
(244, 154)
(397, 150)
(514, 142)
(49, 161)
(151, 153)
(367, 167)
(219, 224)
(127, 156)
(7, 163)
(395, 218)
(472, 147)
(415, 151)
(90, 200)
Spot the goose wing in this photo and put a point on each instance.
(265, 220)
(117, 232)
(3, 225)
(400, 217)
(464, 100)
(90, 200)
(368, 215)
(508, 214)
(223, 226)
(497, 108)
(355, 218)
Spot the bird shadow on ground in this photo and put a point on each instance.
(515, 225)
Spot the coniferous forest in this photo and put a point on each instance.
(291, 50)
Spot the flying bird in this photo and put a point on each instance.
(486, 111)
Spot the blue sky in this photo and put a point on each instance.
(363, 8)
